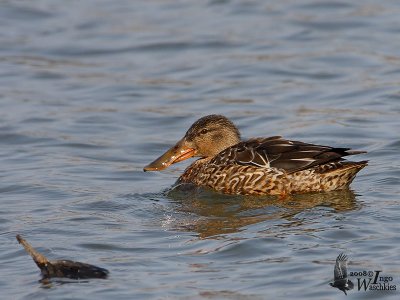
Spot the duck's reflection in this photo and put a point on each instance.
(222, 214)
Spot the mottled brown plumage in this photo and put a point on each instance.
(258, 166)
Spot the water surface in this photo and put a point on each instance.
(91, 91)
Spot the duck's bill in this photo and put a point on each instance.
(176, 154)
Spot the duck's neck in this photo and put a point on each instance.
(192, 172)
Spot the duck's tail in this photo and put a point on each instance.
(355, 152)
(340, 174)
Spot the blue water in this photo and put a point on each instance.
(91, 91)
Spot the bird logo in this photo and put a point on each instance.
(340, 275)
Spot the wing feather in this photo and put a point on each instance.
(340, 271)
(277, 152)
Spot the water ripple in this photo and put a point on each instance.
(94, 90)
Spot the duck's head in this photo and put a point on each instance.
(207, 137)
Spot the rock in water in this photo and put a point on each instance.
(62, 268)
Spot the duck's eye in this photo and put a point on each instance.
(203, 131)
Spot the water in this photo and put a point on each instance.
(91, 91)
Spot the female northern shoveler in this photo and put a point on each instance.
(259, 166)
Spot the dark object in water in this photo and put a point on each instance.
(341, 280)
(62, 268)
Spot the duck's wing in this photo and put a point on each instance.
(340, 271)
(277, 152)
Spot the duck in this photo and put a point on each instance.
(257, 166)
